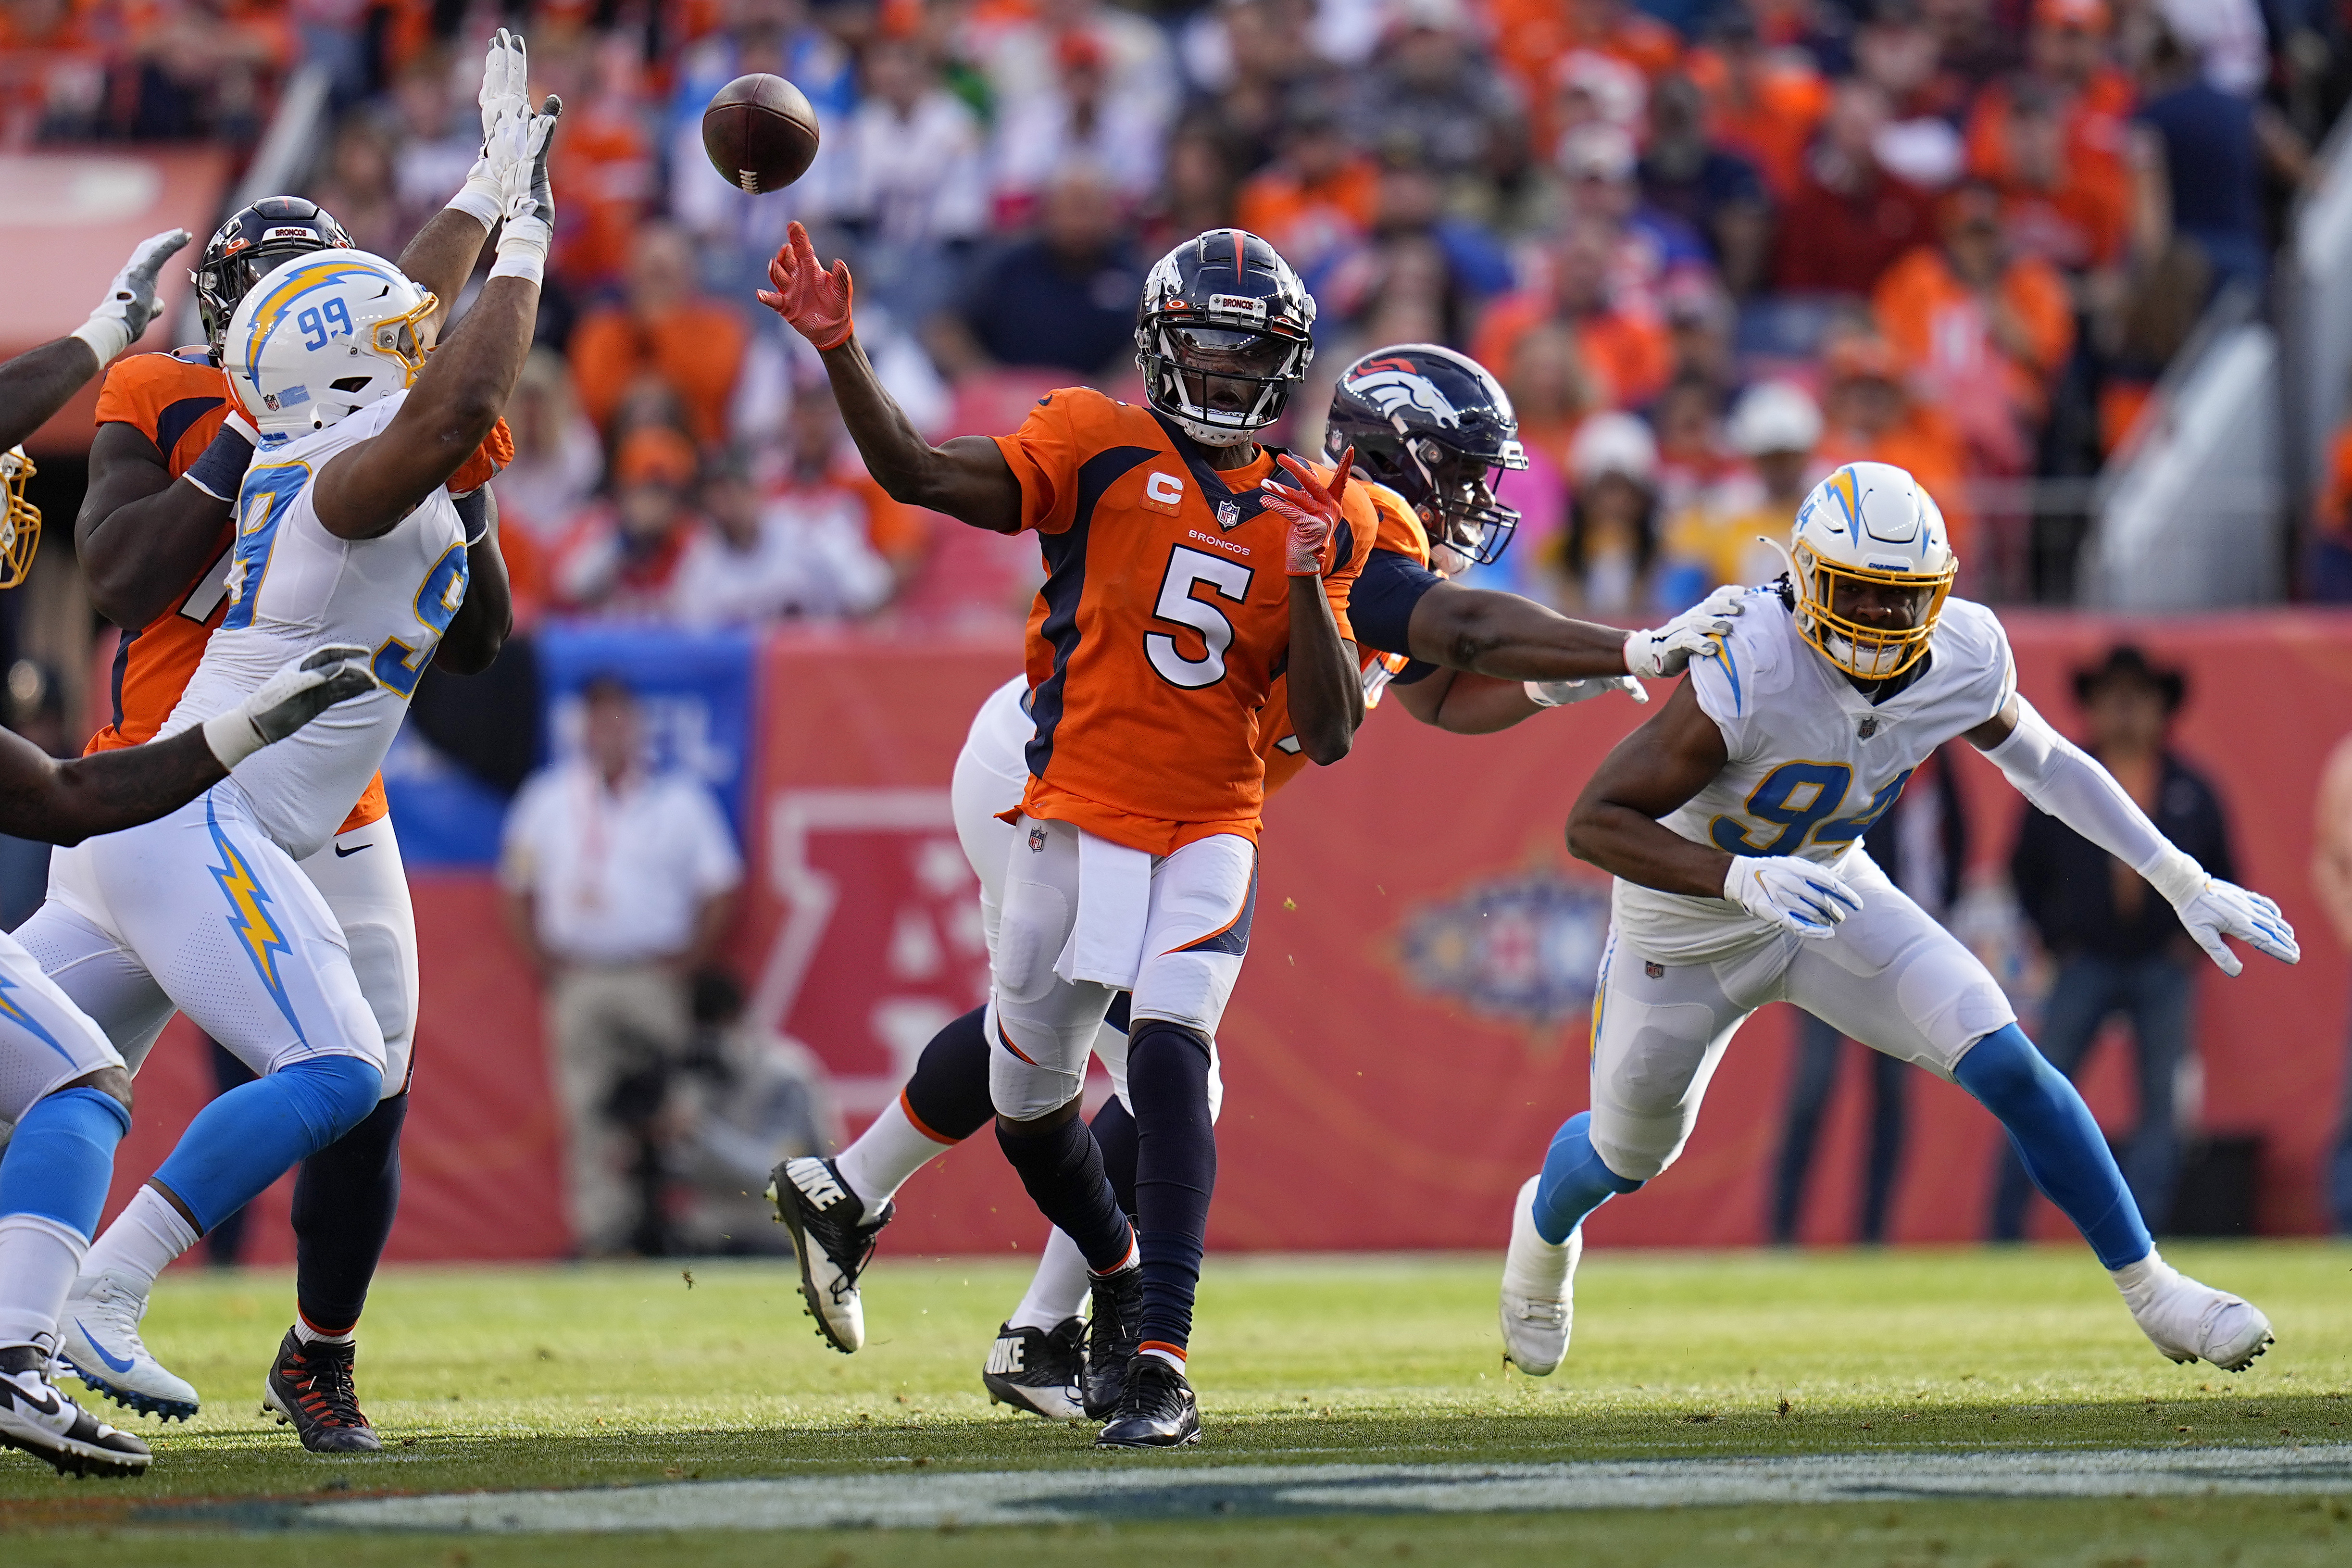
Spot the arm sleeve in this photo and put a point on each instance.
(1380, 605)
(1043, 454)
(2060, 778)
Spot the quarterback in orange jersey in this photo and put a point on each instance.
(835, 1209)
(154, 538)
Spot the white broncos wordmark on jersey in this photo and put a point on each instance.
(1812, 762)
(294, 586)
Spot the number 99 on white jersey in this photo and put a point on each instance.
(293, 586)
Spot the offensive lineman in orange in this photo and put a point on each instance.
(154, 538)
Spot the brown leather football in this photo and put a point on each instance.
(760, 132)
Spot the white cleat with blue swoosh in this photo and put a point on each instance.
(98, 1340)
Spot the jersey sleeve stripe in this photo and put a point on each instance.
(178, 418)
(1066, 582)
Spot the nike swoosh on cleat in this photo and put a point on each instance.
(125, 1365)
(343, 854)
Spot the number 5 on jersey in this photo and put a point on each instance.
(1186, 569)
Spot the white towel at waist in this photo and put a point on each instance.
(1105, 944)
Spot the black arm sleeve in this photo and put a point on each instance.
(1379, 605)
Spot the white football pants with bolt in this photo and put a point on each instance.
(1889, 976)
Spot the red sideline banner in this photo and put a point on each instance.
(1410, 1026)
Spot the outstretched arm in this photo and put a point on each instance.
(1490, 633)
(364, 490)
(67, 802)
(966, 478)
(442, 256)
(1465, 704)
(2058, 776)
(37, 383)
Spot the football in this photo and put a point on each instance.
(760, 132)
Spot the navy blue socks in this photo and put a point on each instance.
(1175, 1173)
(345, 1198)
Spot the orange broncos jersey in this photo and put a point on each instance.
(178, 401)
(1398, 529)
(1163, 625)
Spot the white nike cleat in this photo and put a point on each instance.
(833, 1241)
(1538, 1290)
(98, 1340)
(2188, 1320)
(37, 1416)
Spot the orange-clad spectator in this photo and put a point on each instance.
(1532, 36)
(1985, 332)
(1544, 372)
(1317, 198)
(666, 329)
(2068, 58)
(621, 559)
(52, 73)
(2069, 211)
(2327, 573)
(1625, 348)
(1870, 417)
(1763, 102)
(1850, 219)
(602, 164)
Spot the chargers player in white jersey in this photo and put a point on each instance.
(1733, 822)
(345, 535)
(65, 1093)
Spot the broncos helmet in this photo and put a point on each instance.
(1222, 335)
(245, 249)
(1435, 427)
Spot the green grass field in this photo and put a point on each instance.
(603, 1376)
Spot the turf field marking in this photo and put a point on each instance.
(1133, 1491)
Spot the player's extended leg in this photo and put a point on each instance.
(347, 1195)
(1658, 1032)
(1899, 983)
(70, 1097)
(2080, 999)
(1204, 898)
(246, 946)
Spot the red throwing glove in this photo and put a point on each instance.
(816, 302)
(1313, 510)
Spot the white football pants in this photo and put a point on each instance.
(1890, 977)
(46, 1042)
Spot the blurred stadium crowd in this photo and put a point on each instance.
(1711, 249)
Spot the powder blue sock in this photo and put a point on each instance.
(1574, 1181)
(256, 1133)
(62, 1156)
(2062, 1148)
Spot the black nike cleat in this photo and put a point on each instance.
(833, 1241)
(37, 1416)
(310, 1386)
(1158, 1411)
(1038, 1369)
(1111, 1338)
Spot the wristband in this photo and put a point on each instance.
(106, 335)
(478, 200)
(523, 261)
(219, 469)
(232, 737)
(2175, 874)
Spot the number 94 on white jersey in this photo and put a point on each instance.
(292, 587)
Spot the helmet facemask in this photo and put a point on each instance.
(20, 519)
(1462, 513)
(1829, 617)
(1223, 382)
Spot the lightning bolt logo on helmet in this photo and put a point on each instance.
(327, 333)
(1869, 526)
(249, 919)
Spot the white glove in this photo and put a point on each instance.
(2212, 908)
(1668, 650)
(1565, 693)
(129, 302)
(1795, 895)
(506, 82)
(289, 699)
(519, 151)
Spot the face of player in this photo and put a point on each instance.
(1881, 606)
(1464, 488)
(1248, 360)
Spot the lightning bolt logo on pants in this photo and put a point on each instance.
(14, 1010)
(249, 905)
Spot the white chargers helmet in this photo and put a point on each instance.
(1869, 526)
(323, 333)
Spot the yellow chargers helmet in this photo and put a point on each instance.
(20, 519)
(1869, 523)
